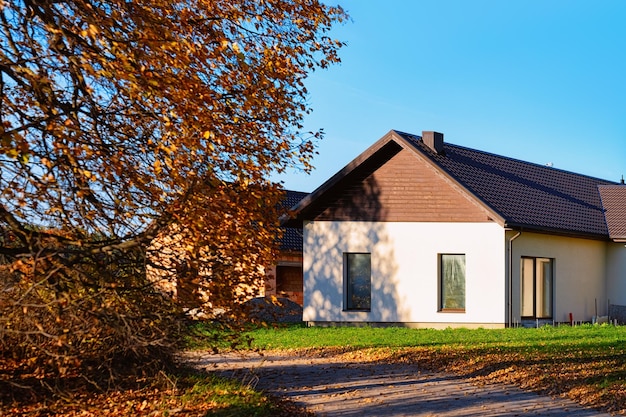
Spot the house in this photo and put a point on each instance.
(284, 279)
(419, 232)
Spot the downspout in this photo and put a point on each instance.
(510, 318)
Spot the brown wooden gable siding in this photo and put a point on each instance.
(404, 189)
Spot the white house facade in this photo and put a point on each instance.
(405, 284)
(421, 233)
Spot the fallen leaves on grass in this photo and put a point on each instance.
(591, 379)
(189, 394)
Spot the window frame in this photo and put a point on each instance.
(349, 304)
(535, 278)
(442, 293)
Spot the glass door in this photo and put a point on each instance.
(537, 288)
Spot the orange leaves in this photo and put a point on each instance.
(13, 144)
(157, 167)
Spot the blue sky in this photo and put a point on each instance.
(542, 81)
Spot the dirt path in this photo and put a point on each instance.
(328, 386)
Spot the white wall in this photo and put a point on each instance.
(405, 271)
(616, 273)
(579, 274)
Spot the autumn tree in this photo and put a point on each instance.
(122, 121)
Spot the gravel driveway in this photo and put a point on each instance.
(328, 386)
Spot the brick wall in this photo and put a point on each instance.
(284, 280)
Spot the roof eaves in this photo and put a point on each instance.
(558, 232)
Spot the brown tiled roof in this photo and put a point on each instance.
(614, 202)
(523, 195)
(292, 236)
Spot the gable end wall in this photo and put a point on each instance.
(405, 189)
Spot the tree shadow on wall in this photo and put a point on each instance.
(354, 222)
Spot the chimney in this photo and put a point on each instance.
(434, 140)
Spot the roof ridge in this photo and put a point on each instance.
(536, 164)
(509, 158)
(617, 185)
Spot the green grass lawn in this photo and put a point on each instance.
(585, 363)
(562, 338)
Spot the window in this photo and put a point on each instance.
(358, 277)
(537, 274)
(288, 278)
(452, 282)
